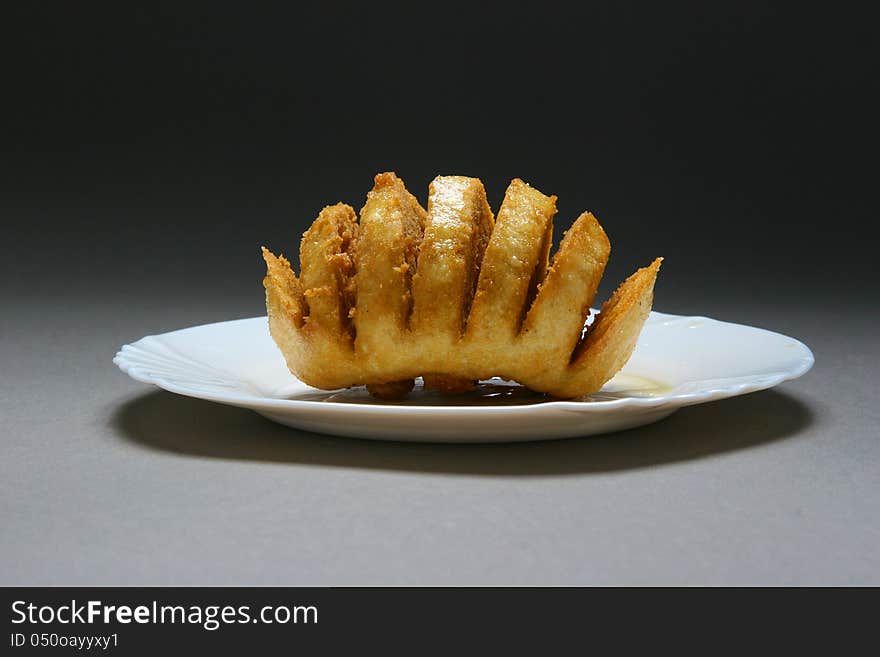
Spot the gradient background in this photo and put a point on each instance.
(147, 154)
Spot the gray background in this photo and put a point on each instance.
(148, 154)
(105, 481)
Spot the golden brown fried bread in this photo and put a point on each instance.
(391, 228)
(514, 264)
(456, 233)
(458, 228)
(286, 308)
(611, 340)
(452, 295)
(555, 321)
(326, 259)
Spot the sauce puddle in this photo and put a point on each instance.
(494, 392)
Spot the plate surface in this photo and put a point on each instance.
(678, 361)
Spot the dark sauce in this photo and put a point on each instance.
(494, 392)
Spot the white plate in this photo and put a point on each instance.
(678, 361)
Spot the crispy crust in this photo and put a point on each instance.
(554, 323)
(458, 227)
(391, 228)
(514, 263)
(611, 340)
(327, 256)
(452, 295)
